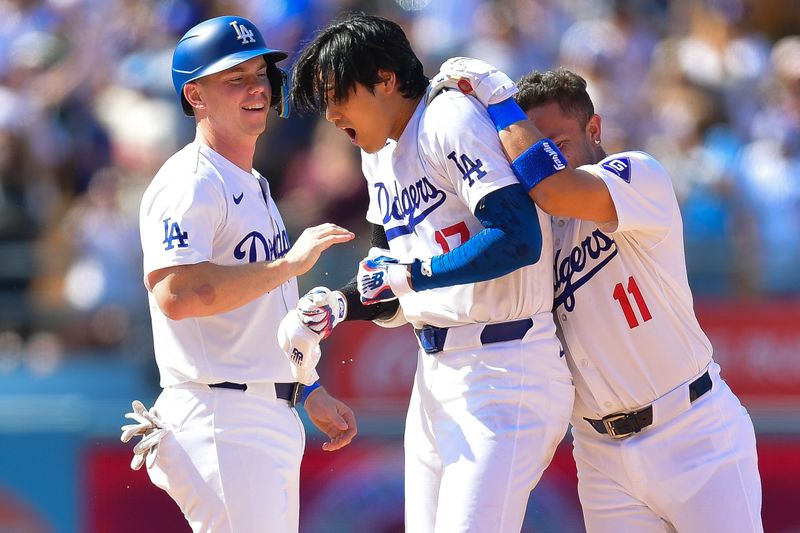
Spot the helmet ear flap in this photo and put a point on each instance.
(279, 81)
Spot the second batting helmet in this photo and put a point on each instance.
(221, 43)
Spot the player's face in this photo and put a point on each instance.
(236, 100)
(574, 141)
(365, 116)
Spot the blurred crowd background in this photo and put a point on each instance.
(88, 114)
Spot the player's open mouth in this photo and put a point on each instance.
(256, 107)
(351, 132)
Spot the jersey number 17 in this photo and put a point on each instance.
(461, 230)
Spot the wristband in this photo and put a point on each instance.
(308, 389)
(538, 162)
(505, 113)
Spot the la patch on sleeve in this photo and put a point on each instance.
(172, 233)
(621, 167)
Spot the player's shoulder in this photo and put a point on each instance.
(451, 110)
(191, 166)
(183, 174)
(630, 165)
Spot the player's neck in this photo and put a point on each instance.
(240, 152)
(598, 154)
(406, 108)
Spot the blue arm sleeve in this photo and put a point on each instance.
(511, 239)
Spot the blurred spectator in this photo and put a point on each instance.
(769, 173)
(96, 266)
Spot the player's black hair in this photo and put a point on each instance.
(562, 86)
(352, 51)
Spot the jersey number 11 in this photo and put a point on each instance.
(627, 308)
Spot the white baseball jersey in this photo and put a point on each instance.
(201, 207)
(621, 293)
(423, 190)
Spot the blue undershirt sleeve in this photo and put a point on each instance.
(511, 239)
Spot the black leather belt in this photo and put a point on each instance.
(621, 425)
(432, 338)
(290, 392)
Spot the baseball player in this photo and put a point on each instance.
(492, 393)
(660, 441)
(224, 439)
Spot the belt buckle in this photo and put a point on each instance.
(608, 423)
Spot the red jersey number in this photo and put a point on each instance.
(622, 297)
(447, 235)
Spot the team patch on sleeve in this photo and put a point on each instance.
(172, 233)
(621, 167)
(470, 170)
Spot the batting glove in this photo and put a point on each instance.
(321, 310)
(381, 278)
(473, 77)
(150, 428)
(301, 345)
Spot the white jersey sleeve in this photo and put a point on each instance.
(179, 220)
(642, 193)
(459, 142)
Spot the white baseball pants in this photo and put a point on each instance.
(482, 425)
(695, 473)
(232, 459)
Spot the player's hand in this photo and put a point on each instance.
(312, 242)
(150, 428)
(381, 277)
(301, 345)
(473, 77)
(321, 310)
(332, 417)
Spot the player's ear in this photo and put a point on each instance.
(388, 80)
(193, 95)
(593, 129)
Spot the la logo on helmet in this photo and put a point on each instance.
(242, 33)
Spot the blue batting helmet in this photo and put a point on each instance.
(221, 43)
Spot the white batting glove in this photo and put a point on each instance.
(301, 346)
(473, 77)
(150, 428)
(381, 277)
(321, 310)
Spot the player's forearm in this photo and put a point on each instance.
(568, 192)
(357, 310)
(518, 137)
(575, 194)
(512, 239)
(207, 289)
